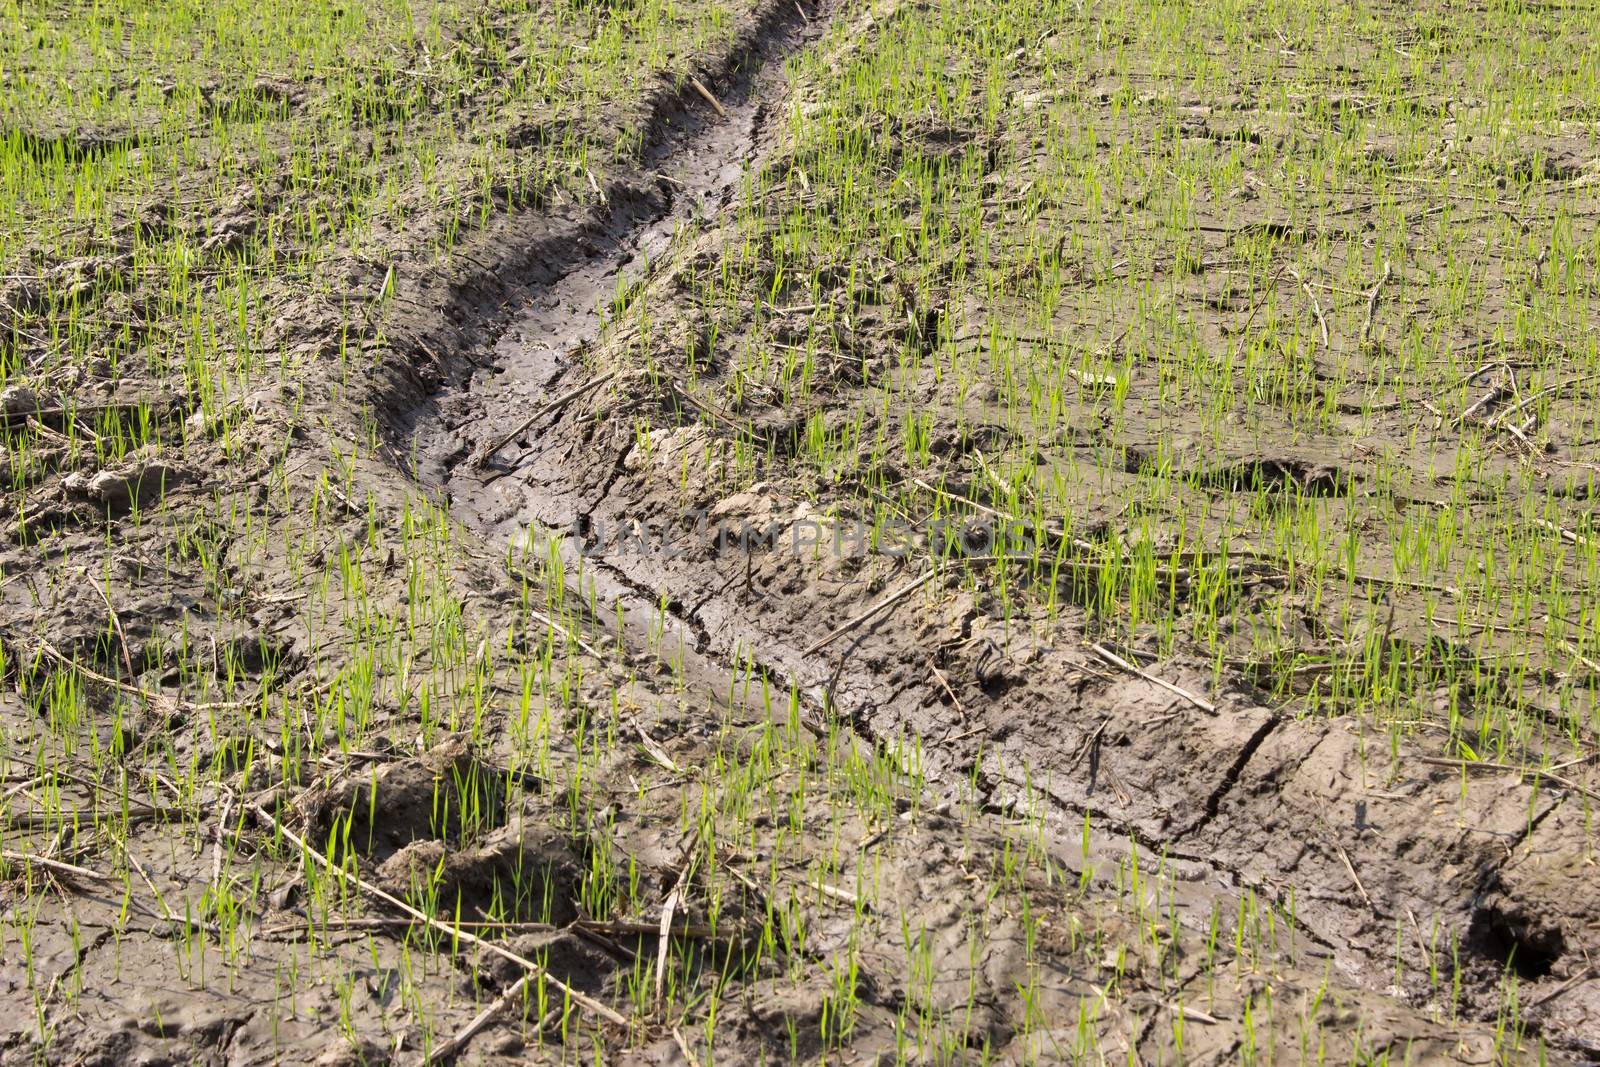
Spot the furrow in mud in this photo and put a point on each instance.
(1355, 842)
(545, 274)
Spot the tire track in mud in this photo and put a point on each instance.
(696, 159)
(1249, 801)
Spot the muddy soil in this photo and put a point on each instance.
(1391, 858)
(952, 830)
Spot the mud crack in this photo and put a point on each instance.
(1229, 780)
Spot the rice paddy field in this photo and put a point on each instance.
(848, 532)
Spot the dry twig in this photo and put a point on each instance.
(705, 94)
(488, 451)
(1177, 690)
(1372, 303)
(882, 605)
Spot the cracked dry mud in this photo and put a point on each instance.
(970, 827)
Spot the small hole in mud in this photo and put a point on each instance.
(518, 874)
(1513, 938)
(1276, 475)
(448, 797)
